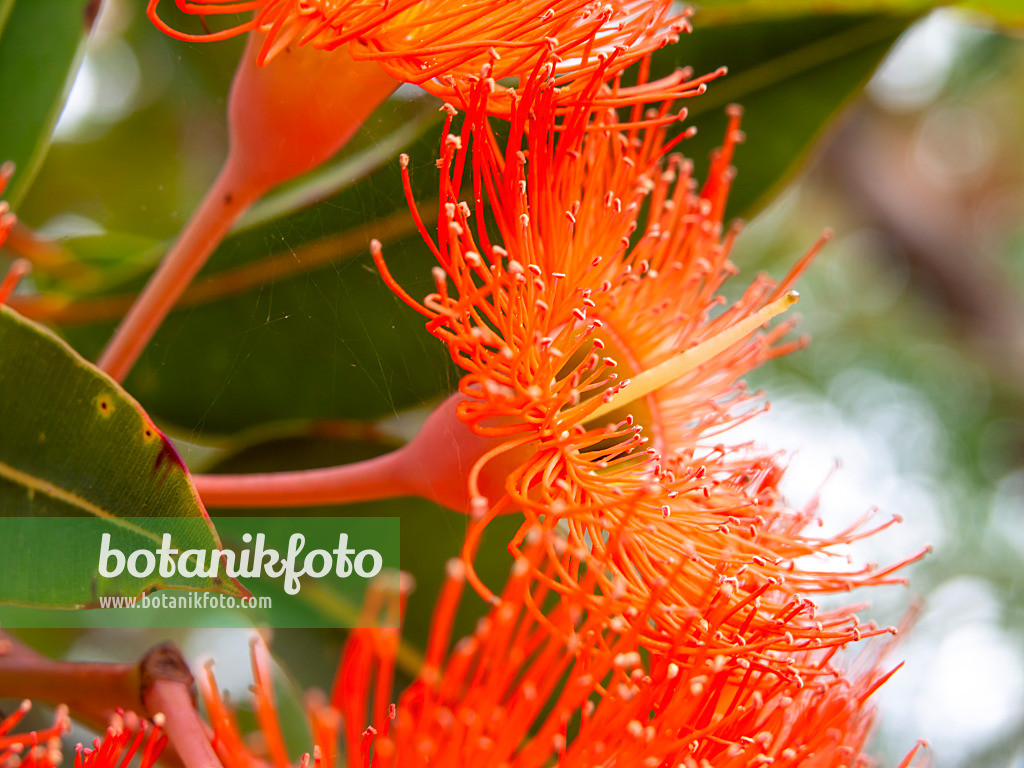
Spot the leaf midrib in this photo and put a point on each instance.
(36, 484)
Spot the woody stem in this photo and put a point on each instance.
(91, 690)
(160, 683)
(383, 477)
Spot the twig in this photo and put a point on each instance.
(167, 687)
(161, 683)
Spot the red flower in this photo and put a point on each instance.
(289, 117)
(608, 270)
(602, 370)
(439, 43)
(20, 267)
(126, 739)
(514, 693)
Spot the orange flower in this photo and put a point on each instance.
(516, 694)
(291, 115)
(20, 267)
(125, 739)
(439, 43)
(7, 218)
(609, 269)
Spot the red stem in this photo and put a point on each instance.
(383, 477)
(285, 118)
(443, 463)
(225, 201)
(173, 699)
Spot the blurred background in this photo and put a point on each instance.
(913, 386)
(903, 133)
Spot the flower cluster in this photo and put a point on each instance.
(662, 609)
(514, 693)
(293, 106)
(601, 370)
(19, 267)
(442, 44)
(126, 739)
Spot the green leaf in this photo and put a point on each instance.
(791, 77)
(41, 44)
(1009, 12)
(74, 445)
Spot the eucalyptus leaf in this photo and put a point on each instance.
(1009, 12)
(75, 445)
(41, 45)
(790, 76)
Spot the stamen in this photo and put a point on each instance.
(17, 270)
(665, 373)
